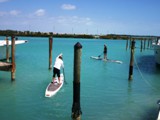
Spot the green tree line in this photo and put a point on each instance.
(47, 34)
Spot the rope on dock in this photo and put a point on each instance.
(143, 78)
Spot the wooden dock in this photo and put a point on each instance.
(9, 66)
(5, 66)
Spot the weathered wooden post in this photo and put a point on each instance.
(148, 46)
(76, 109)
(144, 44)
(50, 52)
(130, 43)
(126, 44)
(131, 61)
(13, 59)
(141, 45)
(7, 49)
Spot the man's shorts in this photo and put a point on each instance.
(56, 72)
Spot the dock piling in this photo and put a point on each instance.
(144, 44)
(7, 49)
(149, 43)
(126, 44)
(50, 52)
(13, 59)
(76, 109)
(131, 60)
(141, 45)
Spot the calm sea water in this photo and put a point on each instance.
(106, 93)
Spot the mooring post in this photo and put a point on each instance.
(131, 61)
(141, 45)
(7, 49)
(148, 46)
(130, 42)
(50, 52)
(144, 44)
(126, 44)
(76, 109)
(13, 59)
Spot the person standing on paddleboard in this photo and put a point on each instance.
(57, 66)
(105, 52)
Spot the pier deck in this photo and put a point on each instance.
(5, 66)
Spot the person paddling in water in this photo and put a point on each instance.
(57, 66)
(105, 52)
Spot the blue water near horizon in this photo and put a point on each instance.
(106, 93)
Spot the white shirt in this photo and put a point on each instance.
(58, 63)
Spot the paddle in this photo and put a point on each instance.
(100, 55)
(64, 77)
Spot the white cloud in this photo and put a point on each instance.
(1, 1)
(74, 20)
(68, 7)
(40, 12)
(14, 12)
(3, 13)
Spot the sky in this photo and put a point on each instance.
(130, 17)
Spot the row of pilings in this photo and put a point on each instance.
(145, 43)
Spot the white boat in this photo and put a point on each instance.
(156, 46)
(3, 47)
(54, 87)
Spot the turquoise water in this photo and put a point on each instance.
(106, 93)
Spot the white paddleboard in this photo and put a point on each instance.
(54, 87)
(108, 60)
(96, 58)
(116, 61)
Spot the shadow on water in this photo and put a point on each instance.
(148, 65)
(151, 114)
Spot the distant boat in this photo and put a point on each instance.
(156, 46)
(3, 47)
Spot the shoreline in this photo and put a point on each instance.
(88, 36)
